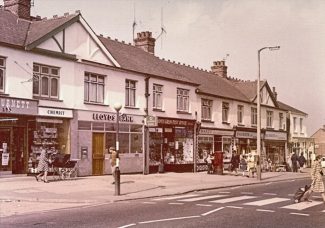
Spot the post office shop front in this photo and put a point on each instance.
(96, 132)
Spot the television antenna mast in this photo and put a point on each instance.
(162, 27)
(134, 24)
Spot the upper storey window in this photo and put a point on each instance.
(46, 81)
(130, 90)
(94, 88)
(225, 112)
(182, 100)
(2, 74)
(206, 109)
(157, 96)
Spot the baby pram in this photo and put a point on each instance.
(63, 167)
(300, 193)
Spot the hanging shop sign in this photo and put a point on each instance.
(215, 132)
(11, 105)
(269, 135)
(176, 122)
(151, 121)
(55, 112)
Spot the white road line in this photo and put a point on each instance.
(233, 199)
(201, 198)
(149, 202)
(299, 214)
(323, 211)
(176, 197)
(291, 194)
(176, 203)
(224, 192)
(262, 210)
(204, 205)
(170, 219)
(235, 207)
(235, 187)
(268, 183)
(270, 194)
(132, 224)
(267, 201)
(247, 193)
(302, 205)
(210, 212)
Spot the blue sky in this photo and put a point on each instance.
(202, 31)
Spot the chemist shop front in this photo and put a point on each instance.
(96, 133)
(16, 115)
(171, 143)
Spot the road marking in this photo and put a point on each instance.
(132, 224)
(233, 199)
(204, 205)
(176, 197)
(224, 192)
(235, 207)
(262, 210)
(270, 194)
(323, 211)
(247, 193)
(267, 201)
(317, 197)
(176, 203)
(299, 214)
(170, 219)
(235, 187)
(149, 202)
(302, 205)
(201, 198)
(210, 212)
(268, 183)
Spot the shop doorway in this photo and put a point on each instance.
(5, 155)
(19, 151)
(98, 153)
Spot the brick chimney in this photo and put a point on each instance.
(19, 7)
(145, 41)
(275, 93)
(219, 68)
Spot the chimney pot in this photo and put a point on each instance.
(219, 68)
(66, 14)
(145, 41)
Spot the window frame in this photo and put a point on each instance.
(183, 100)
(206, 109)
(281, 118)
(269, 119)
(3, 78)
(225, 112)
(253, 116)
(157, 101)
(295, 124)
(300, 123)
(89, 85)
(130, 89)
(240, 114)
(43, 79)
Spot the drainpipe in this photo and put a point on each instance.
(146, 129)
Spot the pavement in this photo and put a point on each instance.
(23, 194)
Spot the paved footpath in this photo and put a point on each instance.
(23, 194)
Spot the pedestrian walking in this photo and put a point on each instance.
(294, 160)
(317, 184)
(209, 163)
(243, 165)
(115, 160)
(251, 165)
(43, 165)
(234, 162)
(302, 161)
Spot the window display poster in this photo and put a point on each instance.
(5, 159)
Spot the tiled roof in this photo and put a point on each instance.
(289, 108)
(21, 32)
(134, 58)
(248, 88)
(13, 30)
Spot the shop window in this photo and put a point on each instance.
(225, 112)
(98, 126)
(254, 116)
(46, 81)
(240, 111)
(157, 96)
(136, 143)
(182, 100)
(130, 92)
(94, 88)
(269, 119)
(84, 125)
(206, 109)
(205, 147)
(2, 74)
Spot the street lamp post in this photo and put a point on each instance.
(117, 108)
(259, 171)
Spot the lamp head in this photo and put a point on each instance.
(117, 106)
(274, 48)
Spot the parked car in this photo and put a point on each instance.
(323, 162)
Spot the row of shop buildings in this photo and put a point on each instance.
(59, 82)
